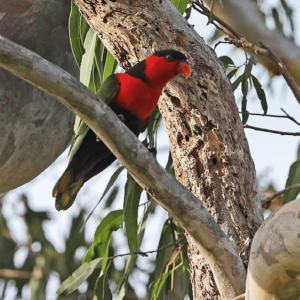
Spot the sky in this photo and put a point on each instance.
(272, 155)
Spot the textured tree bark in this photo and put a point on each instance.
(35, 129)
(208, 145)
(242, 15)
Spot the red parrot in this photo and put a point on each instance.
(132, 96)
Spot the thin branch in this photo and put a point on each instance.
(271, 131)
(147, 252)
(21, 274)
(239, 40)
(287, 116)
(290, 117)
(205, 11)
(266, 203)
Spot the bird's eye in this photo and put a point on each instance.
(168, 57)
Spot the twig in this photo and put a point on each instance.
(284, 72)
(147, 252)
(290, 117)
(266, 203)
(21, 274)
(205, 11)
(240, 41)
(271, 131)
(287, 116)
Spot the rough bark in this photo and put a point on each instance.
(275, 256)
(35, 130)
(161, 185)
(208, 145)
(243, 16)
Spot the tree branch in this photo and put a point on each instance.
(152, 251)
(240, 41)
(162, 186)
(266, 203)
(271, 131)
(21, 274)
(287, 116)
(248, 20)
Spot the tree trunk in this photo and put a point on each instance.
(208, 145)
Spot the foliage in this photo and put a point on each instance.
(170, 277)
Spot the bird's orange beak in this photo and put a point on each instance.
(184, 68)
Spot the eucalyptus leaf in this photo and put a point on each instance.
(75, 34)
(131, 204)
(260, 93)
(78, 277)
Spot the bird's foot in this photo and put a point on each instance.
(121, 117)
(152, 150)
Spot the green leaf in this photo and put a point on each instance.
(252, 61)
(276, 19)
(232, 73)
(170, 162)
(88, 57)
(235, 84)
(75, 34)
(245, 82)
(102, 290)
(78, 277)
(226, 61)
(166, 238)
(110, 223)
(112, 180)
(151, 127)
(188, 12)
(245, 114)
(211, 14)
(156, 287)
(131, 204)
(293, 178)
(260, 93)
(78, 137)
(181, 5)
(110, 66)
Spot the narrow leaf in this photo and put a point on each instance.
(156, 287)
(109, 185)
(110, 223)
(245, 114)
(236, 83)
(102, 290)
(252, 61)
(78, 277)
(131, 204)
(110, 66)
(232, 73)
(260, 93)
(181, 5)
(211, 17)
(75, 34)
(226, 61)
(88, 57)
(293, 178)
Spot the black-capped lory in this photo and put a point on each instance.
(132, 95)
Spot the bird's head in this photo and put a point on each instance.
(164, 65)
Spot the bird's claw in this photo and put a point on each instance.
(121, 117)
(152, 150)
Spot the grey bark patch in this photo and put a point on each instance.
(8, 149)
(292, 274)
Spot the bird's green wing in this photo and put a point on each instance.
(106, 93)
